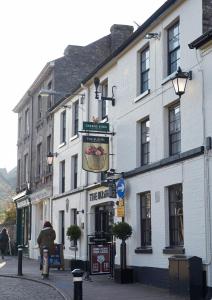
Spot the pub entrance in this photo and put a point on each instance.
(101, 246)
(104, 218)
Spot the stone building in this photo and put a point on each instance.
(35, 129)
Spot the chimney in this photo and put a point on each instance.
(119, 33)
(72, 49)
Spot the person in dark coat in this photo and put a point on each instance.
(4, 240)
(46, 238)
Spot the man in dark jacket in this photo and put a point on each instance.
(4, 240)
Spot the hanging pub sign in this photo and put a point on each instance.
(95, 153)
(100, 259)
(91, 126)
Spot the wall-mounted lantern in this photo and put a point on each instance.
(50, 158)
(96, 83)
(179, 81)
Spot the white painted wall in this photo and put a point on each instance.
(124, 118)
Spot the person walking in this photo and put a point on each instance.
(46, 239)
(4, 240)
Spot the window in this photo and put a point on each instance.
(62, 227)
(176, 231)
(145, 141)
(49, 98)
(74, 216)
(39, 107)
(173, 48)
(49, 149)
(74, 171)
(62, 176)
(75, 117)
(174, 129)
(19, 126)
(103, 103)
(144, 60)
(49, 144)
(145, 213)
(73, 222)
(19, 174)
(63, 127)
(26, 122)
(26, 167)
(39, 159)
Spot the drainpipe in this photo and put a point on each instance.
(86, 182)
(207, 197)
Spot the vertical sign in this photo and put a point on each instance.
(100, 259)
(95, 153)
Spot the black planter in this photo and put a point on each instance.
(123, 275)
(76, 264)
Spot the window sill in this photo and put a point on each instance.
(74, 137)
(172, 250)
(143, 250)
(141, 96)
(104, 120)
(168, 78)
(61, 145)
(73, 248)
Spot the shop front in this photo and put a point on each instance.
(23, 220)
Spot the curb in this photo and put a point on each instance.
(38, 281)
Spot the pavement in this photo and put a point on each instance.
(59, 285)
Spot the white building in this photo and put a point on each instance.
(162, 143)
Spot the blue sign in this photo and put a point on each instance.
(120, 188)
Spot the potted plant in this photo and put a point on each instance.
(74, 233)
(123, 231)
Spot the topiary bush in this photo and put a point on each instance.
(73, 232)
(122, 230)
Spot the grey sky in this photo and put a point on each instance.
(34, 32)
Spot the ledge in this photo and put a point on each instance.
(61, 145)
(165, 162)
(74, 137)
(143, 250)
(141, 96)
(172, 250)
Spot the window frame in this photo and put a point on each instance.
(39, 160)
(74, 171)
(26, 121)
(62, 176)
(146, 144)
(174, 220)
(174, 50)
(145, 71)
(63, 127)
(145, 223)
(26, 168)
(75, 118)
(39, 107)
(104, 105)
(172, 133)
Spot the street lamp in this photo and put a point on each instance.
(96, 83)
(50, 157)
(179, 81)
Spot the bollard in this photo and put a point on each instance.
(45, 271)
(20, 255)
(77, 279)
